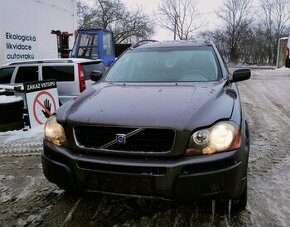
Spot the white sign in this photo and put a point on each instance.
(20, 46)
(42, 101)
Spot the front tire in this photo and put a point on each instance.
(287, 62)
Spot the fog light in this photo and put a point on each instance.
(201, 137)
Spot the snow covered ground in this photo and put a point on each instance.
(22, 135)
(21, 142)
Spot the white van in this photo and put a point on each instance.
(73, 75)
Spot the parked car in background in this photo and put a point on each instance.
(165, 121)
(73, 75)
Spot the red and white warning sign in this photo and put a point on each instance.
(42, 101)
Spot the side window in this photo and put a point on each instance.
(108, 43)
(5, 75)
(26, 74)
(59, 73)
(88, 46)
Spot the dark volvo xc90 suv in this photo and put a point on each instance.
(164, 121)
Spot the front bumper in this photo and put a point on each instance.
(185, 178)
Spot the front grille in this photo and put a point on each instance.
(137, 140)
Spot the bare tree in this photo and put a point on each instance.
(252, 44)
(113, 15)
(85, 15)
(275, 16)
(219, 39)
(237, 16)
(181, 17)
(251, 39)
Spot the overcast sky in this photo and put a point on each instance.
(206, 7)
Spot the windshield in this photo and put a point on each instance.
(166, 65)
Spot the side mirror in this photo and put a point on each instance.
(240, 75)
(96, 75)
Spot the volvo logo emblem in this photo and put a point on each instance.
(121, 138)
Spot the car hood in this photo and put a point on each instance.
(166, 106)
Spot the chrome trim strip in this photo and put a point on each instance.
(76, 141)
(105, 146)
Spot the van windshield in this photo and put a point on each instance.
(198, 64)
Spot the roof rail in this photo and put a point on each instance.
(40, 61)
(142, 42)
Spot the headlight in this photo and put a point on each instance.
(223, 136)
(54, 132)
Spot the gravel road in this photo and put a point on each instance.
(28, 199)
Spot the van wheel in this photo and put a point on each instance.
(11, 115)
(11, 107)
(9, 118)
(17, 125)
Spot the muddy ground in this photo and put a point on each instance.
(28, 199)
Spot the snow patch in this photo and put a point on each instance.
(5, 196)
(9, 99)
(18, 136)
(5, 192)
(26, 191)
